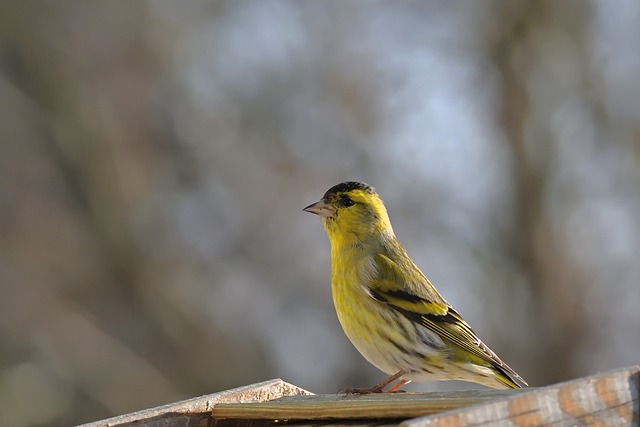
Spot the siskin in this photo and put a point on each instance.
(388, 308)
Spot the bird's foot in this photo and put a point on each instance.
(356, 390)
(379, 388)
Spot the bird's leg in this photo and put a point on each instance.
(379, 388)
(395, 388)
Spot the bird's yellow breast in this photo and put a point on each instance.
(362, 318)
(348, 288)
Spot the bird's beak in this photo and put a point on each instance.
(321, 208)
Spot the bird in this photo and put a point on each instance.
(387, 307)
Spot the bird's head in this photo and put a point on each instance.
(352, 213)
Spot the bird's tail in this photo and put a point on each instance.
(507, 376)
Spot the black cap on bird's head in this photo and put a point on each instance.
(347, 186)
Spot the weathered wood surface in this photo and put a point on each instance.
(609, 399)
(196, 412)
(353, 407)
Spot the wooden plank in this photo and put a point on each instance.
(316, 423)
(367, 407)
(197, 411)
(609, 399)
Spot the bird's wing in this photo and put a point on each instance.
(434, 313)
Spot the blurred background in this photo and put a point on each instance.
(155, 157)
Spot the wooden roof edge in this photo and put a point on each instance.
(588, 400)
(258, 392)
(609, 397)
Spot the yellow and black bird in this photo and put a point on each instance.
(388, 308)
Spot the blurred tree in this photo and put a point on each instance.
(519, 45)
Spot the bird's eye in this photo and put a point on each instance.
(345, 202)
